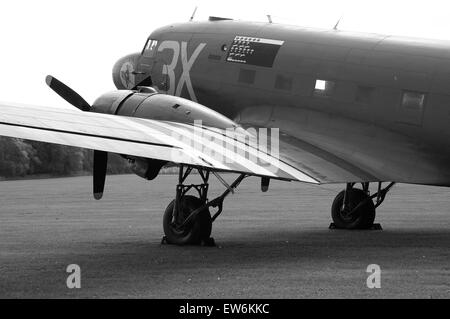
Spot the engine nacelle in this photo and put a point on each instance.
(148, 104)
(146, 168)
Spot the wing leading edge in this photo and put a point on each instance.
(168, 141)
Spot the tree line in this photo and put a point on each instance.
(23, 158)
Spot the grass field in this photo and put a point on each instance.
(272, 245)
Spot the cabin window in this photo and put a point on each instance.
(150, 48)
(324, 88)
(364, 94)
(413, 100)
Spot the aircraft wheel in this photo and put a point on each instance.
(362, 218)
(193, 233)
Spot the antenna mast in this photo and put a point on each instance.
(337, 23)
(193, 14)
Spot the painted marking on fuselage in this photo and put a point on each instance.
(187, 63)
(254, 51)
(126, 75)
(169, 69)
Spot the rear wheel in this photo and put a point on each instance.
(193, 233)
(348, 218)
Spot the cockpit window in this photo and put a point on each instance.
(150, 48)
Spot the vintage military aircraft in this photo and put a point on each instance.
(350, 108)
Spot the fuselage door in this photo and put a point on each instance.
(160, 74)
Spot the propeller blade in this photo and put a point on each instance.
(67, 93)
(100, 165)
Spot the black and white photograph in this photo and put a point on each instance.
(225, 155)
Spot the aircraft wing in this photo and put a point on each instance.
(167, 141)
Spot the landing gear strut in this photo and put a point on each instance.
(355, 208)
(187, 220)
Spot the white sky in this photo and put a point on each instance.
(78, 41)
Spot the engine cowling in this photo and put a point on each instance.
(148, 104)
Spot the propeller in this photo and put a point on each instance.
(100, 166)
(100, 157)
(67, 93)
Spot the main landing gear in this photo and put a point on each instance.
(187, 220)
(354, 208)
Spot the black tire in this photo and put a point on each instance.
(198, 230)
(363, 218)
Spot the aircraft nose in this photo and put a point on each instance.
(124, 72)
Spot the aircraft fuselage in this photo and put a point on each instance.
(372, 100)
